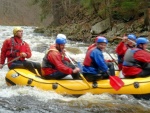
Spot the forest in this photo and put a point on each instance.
(76, 18)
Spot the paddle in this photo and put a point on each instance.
(80, 73)
(115, 81)
(112, 58)
(12, 60)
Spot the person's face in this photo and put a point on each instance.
(145, 46)
(19, 33)
(101, 46)
(60, 47)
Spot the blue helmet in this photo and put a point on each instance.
(142, 40)
(102, 39)
(98, 38)
(132, 37)
(60, 40)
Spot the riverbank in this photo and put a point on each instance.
(86, 31)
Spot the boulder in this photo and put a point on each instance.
(100, 26)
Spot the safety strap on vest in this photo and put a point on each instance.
(15, 43)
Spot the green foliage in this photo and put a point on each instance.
(87, 4)
(124, 9)
(128, 5)
(95, 6)
(121, 9)
(127, 9)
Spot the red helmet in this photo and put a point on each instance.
(98, 38)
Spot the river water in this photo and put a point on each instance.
(23, 99)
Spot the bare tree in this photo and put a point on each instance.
(146, 16)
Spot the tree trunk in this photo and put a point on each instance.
(57, 11)
(146, 16)
(109, 13)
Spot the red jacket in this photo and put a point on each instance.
(55, 57)
(141, 56)
(12, 48)
(121, 50)
(91, 47)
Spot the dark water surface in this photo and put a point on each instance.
(30, 104)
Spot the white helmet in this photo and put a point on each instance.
(61, 36)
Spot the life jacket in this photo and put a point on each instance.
(121, 57)
(88, 61)
(45, 62)
(129, 58)
(16, 48)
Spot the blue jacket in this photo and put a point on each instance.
(98, 63)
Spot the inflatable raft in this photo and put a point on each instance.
(136, 86)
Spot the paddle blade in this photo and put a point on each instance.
(116, 82)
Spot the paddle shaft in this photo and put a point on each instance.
(80, 73)
(12, 60)
(112, 58)
(127, 39)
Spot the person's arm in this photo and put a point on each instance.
(121, 48)
(99, 59)
(4, 51)
(26, 52)
(66, 59)
(55, 59)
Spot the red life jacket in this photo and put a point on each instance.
(88, 60)
(15, 48)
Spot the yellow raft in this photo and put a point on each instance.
(136, 86)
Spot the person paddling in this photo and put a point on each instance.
(94, 63)
(55, 64)
(137, 60)
(15, 47)
(127, 42)
(93, 46)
